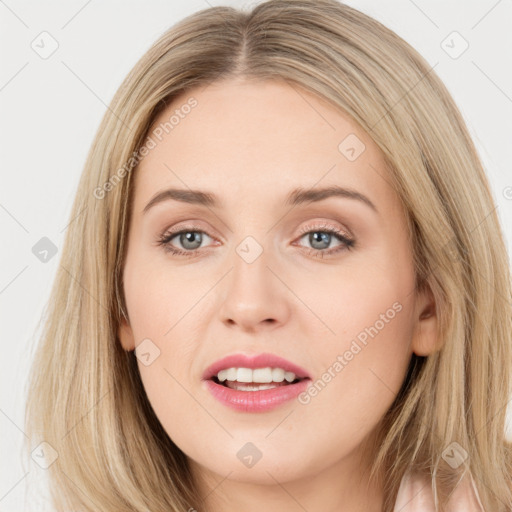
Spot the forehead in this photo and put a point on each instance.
(256, 139)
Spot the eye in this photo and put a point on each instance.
(189, 238)
(320, 237)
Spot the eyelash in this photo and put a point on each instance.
(346, 242)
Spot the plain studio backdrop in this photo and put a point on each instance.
(61, 64)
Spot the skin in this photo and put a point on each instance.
(250, 143)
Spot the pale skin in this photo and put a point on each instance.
(250, 144)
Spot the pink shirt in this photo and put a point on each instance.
(415, 495)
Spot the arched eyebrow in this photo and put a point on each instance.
(296, 197)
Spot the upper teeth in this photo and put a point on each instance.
(257, 375)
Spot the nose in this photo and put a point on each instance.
(254, 297)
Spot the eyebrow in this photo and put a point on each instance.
(295, 197)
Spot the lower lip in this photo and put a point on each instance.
(255, 401)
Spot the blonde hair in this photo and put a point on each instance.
(85, 396)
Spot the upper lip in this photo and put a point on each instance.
(255, 361)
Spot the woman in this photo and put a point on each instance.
(288, 287)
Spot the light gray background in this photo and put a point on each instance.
(51, 108)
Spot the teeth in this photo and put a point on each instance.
(278, 374)
(250, 387)
(259, 375)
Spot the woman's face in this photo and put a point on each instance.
(257, 272)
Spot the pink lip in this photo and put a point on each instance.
(255, 401)
(260, 361)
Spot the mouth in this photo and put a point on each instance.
(254, 383)
(281, 368)
(255, 397)
(254, 386)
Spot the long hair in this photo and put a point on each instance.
(85, 397)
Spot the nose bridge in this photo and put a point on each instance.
(251, 276)
(253, 293)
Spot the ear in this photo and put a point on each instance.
(125, 335)
(425, 340)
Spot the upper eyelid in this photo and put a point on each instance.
(309, 226)
(325, 226)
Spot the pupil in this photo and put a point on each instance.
(186, 238)
(322, 238)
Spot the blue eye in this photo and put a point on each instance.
(320, 237)
(190, 239)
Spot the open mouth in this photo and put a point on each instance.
(253, 386)
(255, 396)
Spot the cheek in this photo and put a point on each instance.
(365, 352)
(163, 311)
(157, 296)
(360, 303)
(361, 372)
